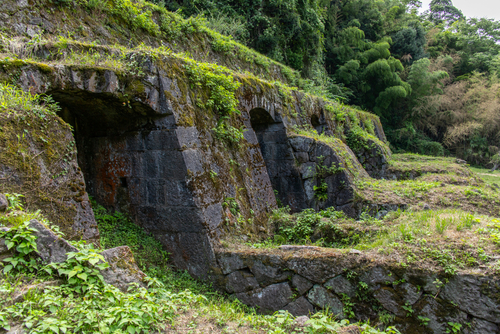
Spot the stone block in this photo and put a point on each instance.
(230, 262)
(340, 285)
(152, 192)
(409, 293)
(167, 138)
(317, 270)
(301, 144)
(150, 164)
(479, 326)
(267, 275)
(389, 300)
(307, 170)
(250, 137)
(172, 164)
(241, 281)
(188, 137)
(193, 159)
(301, 157)
(190, 251)
(177, 193)
(322, 298)
(309, 189)
(438, 315)
(137, 165)
(269, 299)
(300, 307)
(377, 276)
(301, 284)
(283, 152)
(469, 293)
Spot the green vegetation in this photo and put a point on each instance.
(75, 299)
(446, 218)
(432, 78)
(221, 86)
(492, 178)
(447, 240)
(117, 230)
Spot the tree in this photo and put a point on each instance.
(409, 43)
(443, 11)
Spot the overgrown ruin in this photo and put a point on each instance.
(147, 147)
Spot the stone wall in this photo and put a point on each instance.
(356, 285)
(331, 163)
(146, 149)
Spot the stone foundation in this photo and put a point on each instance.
(354, 285)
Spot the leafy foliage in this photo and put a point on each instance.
(20, 239)
(81, 269)
(444, 11)
(116, 229)
(221, 99)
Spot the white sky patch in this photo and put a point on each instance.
(474, 8)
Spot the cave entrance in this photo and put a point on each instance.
(319, 123)
(279, 159)
(129, 163)
(133, 163)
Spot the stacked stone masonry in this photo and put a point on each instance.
(303, 280)
(144, 151)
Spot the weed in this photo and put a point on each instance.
(386, 318)
(453, 328)
(232, 205)
(21, 239)
(442, 224)
(407, 307)
(424, 321)
(348, 306)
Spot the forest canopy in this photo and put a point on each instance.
(432, 77)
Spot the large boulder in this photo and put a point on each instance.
(50, 247)
(122, 269)
(4, 251)
(4, 203)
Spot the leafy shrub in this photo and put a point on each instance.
(81, 269)
(221, 88)
(21, 239)
(302, 228)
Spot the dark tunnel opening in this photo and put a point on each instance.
(279, 159)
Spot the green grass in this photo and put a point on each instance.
(445, 239)
(491, 178)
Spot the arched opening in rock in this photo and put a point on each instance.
(319, 123)
(133, 163)
(129, 163)
(279, 159)
(315, 121)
